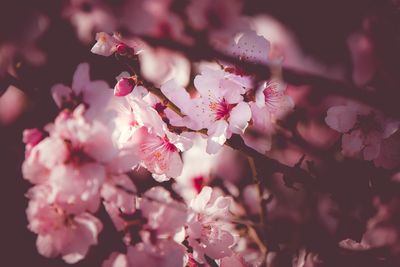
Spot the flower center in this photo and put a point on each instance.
(368, 123)
(221, 109)
(198, 183)
(168, 145)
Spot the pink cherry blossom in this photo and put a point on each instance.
(251, 47)
(94, 94)
(106, 44)
(31, 137)
(272, 95)
(259, 133)
(219, 108)
(119, 197)
(152, 17)
(164, 215)
(158, 154)
(60, 233)
(42, 158)
(159, 65)
(206, 234)
(363, 129)
(88, 17)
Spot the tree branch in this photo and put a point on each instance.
(323, 85)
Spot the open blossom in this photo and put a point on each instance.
(89, 16)
(59, 232)
(271, 95)
(363, 128)
(94, 94)
(219, 108)
(165, 216)
(158, 148)
(118, 193)
(106, 44)
(207, 234)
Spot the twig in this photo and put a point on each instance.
(260, 188)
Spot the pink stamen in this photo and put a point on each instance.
(168, 145)
(222, 109)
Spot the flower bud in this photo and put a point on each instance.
(124, 86)
(124, 50)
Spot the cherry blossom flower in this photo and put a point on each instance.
(152, 17)
(272, 96)
(118, 193)
(160, 65)
(251, 47)
(159, 154)
(220, 107)
(59, 232)
(206, 234)
(106, 44)
(363, 129)
(94, 94)
(157, 147)
(165, 216)
(88, 17)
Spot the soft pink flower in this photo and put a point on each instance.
(152, 17)
(159, 65)
(47, 154)
(119, 197)
(88, 17)
(363, 128)
(164, 215)
(94, 94)
(158, 154)
(272, 95)
(251, 47)
(106, 44)
(206, 233)
(220, 107)
(60, 233)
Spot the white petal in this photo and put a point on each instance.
(217, 134)
(239, 117)
(81, 78)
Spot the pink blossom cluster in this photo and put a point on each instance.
(84, 159)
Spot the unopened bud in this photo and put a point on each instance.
(124, 86)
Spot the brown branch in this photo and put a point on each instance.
(201, 50)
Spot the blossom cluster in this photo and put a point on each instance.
(172, 121)
(84, 159)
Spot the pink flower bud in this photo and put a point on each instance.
(124, 86)
(124, 50)
(32, 136)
